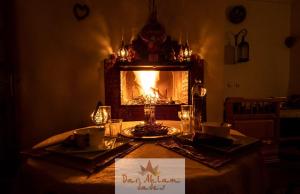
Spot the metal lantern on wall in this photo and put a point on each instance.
(242, 47)
(239, 51)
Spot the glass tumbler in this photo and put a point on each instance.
(115, 127)
(186, 119)
(149, 114)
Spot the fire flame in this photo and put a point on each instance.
(147, 81)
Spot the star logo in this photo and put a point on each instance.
(149, 169)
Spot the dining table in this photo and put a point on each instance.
(244, 174)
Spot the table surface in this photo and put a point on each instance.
(242, 175)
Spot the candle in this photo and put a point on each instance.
(185, 115)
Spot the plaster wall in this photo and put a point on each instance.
(294, 84)
(267, 72)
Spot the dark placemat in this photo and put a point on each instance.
(79, 163)
(212, 154)
(238, 144)
(207, 158)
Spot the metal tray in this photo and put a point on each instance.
(128, 133)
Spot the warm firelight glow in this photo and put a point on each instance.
(147, 82)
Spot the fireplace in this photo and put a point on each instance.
(155, 87)
(153, 68)
(126, 95)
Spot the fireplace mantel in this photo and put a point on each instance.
(174, 67)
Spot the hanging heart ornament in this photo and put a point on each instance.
(81, 11)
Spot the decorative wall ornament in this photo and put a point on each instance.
(81, 11)
(152, 45)
(237, 14)
(290, 41)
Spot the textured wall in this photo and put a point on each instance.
(294, 87)
(267, 72)
(60, 72)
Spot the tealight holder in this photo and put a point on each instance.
(102, 115)
(149, 114)
(185, 116)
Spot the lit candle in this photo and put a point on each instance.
(186, 52)
(186, 112)
(123, 52)
(185, 115)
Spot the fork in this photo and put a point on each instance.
(187, 151)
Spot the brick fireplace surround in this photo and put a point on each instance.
(136, 112)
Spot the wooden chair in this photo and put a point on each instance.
(258, 118)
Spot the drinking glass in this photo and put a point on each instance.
(149, 114)
(186, 119)
(115, 127)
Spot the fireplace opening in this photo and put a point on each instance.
(155, 87)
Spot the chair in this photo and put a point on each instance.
(258, 118)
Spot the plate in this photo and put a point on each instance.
(128, 133)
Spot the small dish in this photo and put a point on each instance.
(216, 128)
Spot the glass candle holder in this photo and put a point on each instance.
(115, 127)
(186, 119)
(149, 114)
(101, 115)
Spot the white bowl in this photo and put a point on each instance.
(216, 128)
(96, 136)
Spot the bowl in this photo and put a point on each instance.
(93, 135)
(216, 128)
